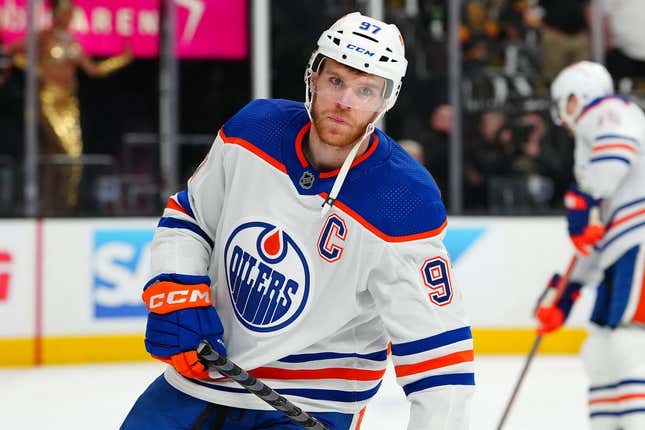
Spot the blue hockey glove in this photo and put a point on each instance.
(181, 315)
(552, 312)
(583, 231)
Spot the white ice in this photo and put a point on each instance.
(97, 397)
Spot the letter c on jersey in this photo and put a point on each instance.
(332, 235)
(436, 276)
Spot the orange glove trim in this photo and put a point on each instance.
(551, 318)
(591, 235)
(165, 297)
(187, 364)
(573, 201)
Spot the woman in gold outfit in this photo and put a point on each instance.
(59, 55)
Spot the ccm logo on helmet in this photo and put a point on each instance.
(359, 49)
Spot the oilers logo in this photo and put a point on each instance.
(267, 275)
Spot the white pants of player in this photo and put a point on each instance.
(615, 364)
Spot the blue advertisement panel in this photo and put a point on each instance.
(120, 264)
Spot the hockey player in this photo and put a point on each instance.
(321, 241)
(610, 179)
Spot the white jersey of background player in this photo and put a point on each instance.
(323, 241)
(609, 168)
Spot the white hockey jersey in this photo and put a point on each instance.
(609, 164)
(310, 304)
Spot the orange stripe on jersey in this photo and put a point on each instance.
(280, 166)
(434, 363)
(165, 297)
(639, 314)
(359, 160)
(614, 146)
(626, 218)
(325, 175)
(379, 233)
(617, 399)
(254, 149)
(361, 414)
(299, 152)
(329, 373)
(172, 204)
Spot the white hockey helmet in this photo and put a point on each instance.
(587, 81)
(365, 44)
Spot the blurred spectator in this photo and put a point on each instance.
(511, 167)
(59, 57)
(437, 144)
(625, 38)
(478, 35)
(488, 155)
(530, 164)
(565, 34)
(518, 25)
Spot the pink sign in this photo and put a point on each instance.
(205, 28)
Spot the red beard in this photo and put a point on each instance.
(334, 134)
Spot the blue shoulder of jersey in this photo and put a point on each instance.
(397, 196)
(598, 101)
(262, 122)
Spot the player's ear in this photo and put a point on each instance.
(314, 79)
(572, 104)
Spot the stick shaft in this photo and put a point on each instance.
(518, 384)
(227, 368)
(565, 278)
(536, 343)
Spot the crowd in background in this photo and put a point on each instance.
(514, 160)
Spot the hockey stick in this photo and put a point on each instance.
(549, 299)
(226, 367)
(536, 343)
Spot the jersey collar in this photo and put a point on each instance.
(374, 141)
(306, 178)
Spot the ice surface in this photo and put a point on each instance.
(98, 397)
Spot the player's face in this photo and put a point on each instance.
(344, 102)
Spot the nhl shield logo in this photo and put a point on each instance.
(268, 276)
(307, 180)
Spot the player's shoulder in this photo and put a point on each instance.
(260, 114)
(608, 109)
(611, 114)
(398, 196)
(262, 121)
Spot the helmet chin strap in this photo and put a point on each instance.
(344, 169)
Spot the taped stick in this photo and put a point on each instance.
(212, 359)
